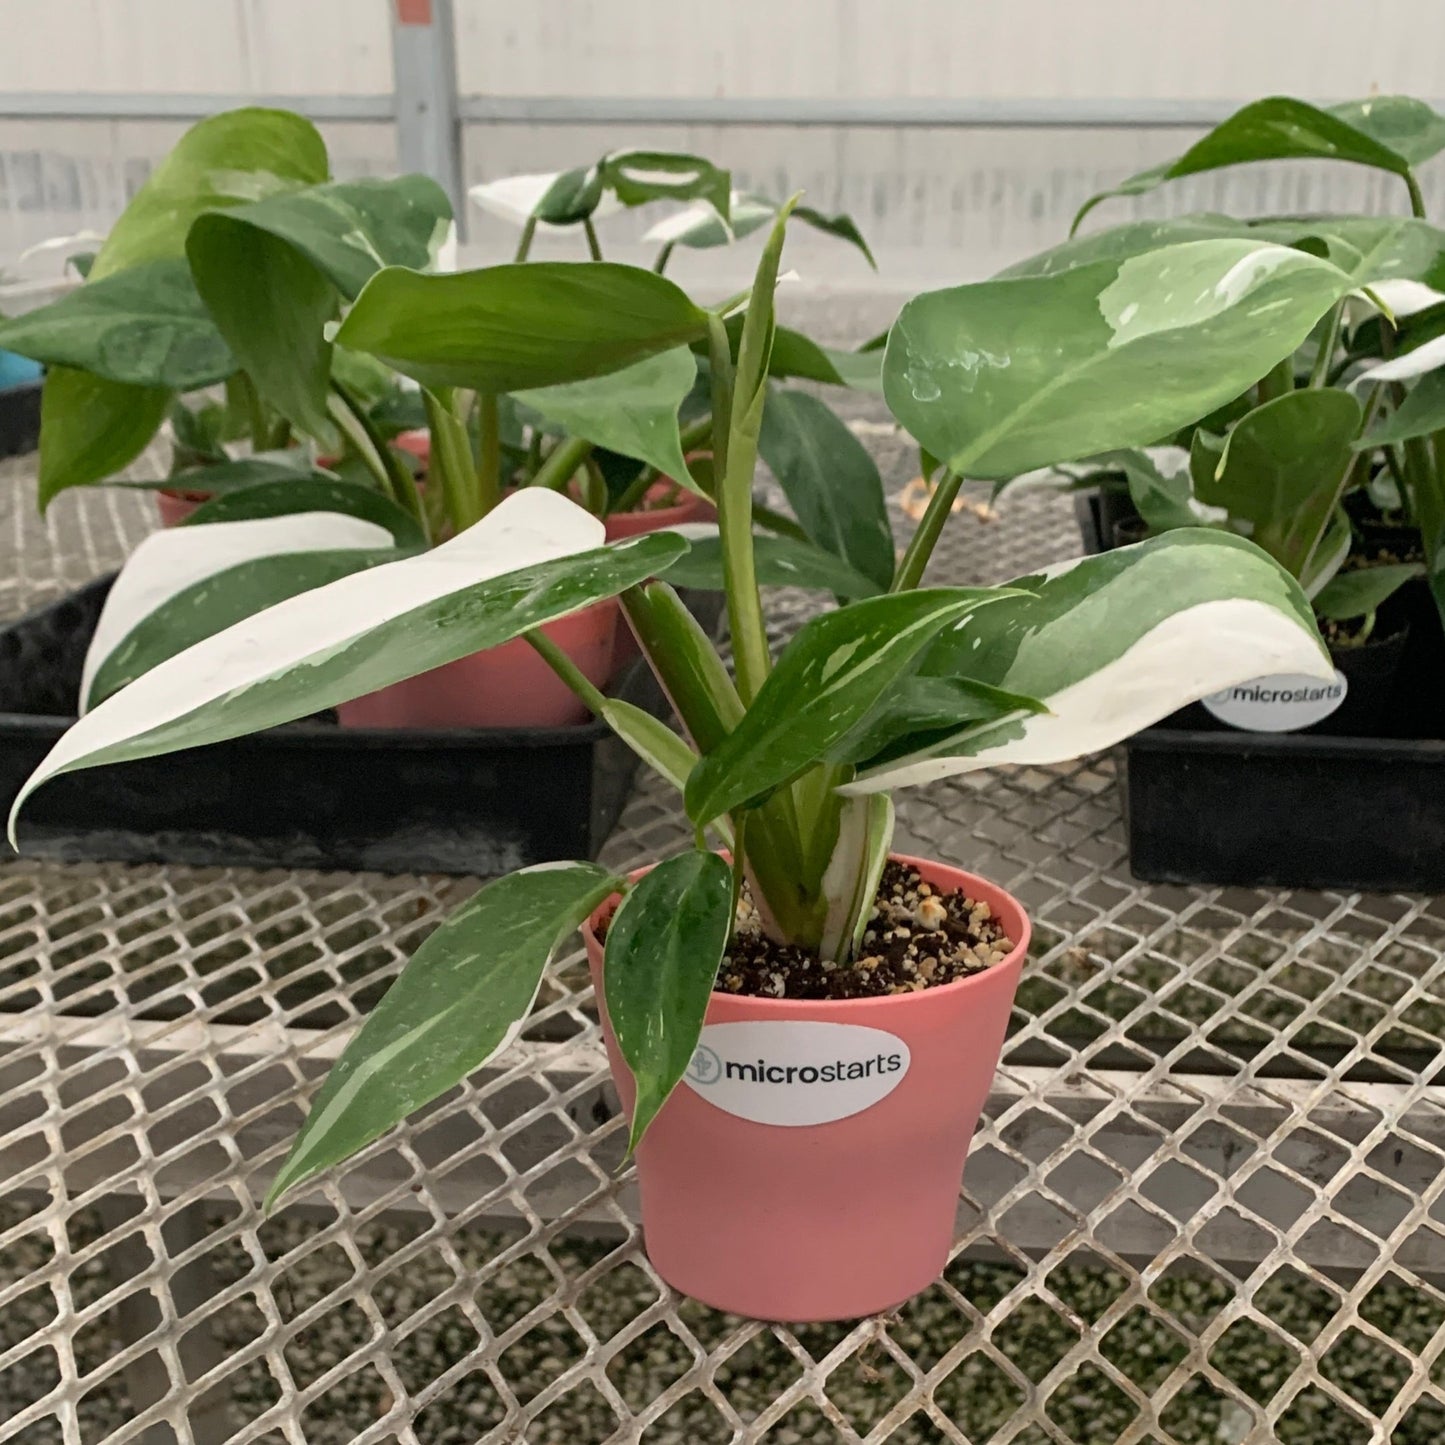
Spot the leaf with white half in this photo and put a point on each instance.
(1111, 644)
(1388, 132)
(778, 561)
(632, 411)
(828, 678)
(462, 999)
(145, 326)
(664, 946)
(1161, 487)
(1430, 356)
(700, 227)
(831, 482)
(534, 558)
(516, 327)
(519, 199)
(184, 584)
(1002, 377)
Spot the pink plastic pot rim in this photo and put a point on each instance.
(787, 1007)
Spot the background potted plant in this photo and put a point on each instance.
(837, 1199)
(1331, 461)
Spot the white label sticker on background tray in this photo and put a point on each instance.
(1280, 704)
(795, 1072)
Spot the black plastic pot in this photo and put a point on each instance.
(19, 419)
(1100, 513)
(310, 794)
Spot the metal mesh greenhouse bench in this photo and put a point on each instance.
(1205, 1203)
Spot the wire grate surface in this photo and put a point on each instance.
(1205, 1203)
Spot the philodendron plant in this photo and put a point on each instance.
(235, 263)
(791, 756)
(1359, 412)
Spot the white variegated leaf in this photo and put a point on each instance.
(534, 558)
(1428, 357)
(171, 561)
(514, 198)
(1112, 644)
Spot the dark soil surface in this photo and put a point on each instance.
(917, 938)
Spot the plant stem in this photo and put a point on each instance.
(1342, 486)
(392, 474)
(566, 669)
(777, 523)
(925, 539)
(1277, 381)
(489, 462)
(752, 658)
(451, 459)
(524, 246)
(561, 464)
(1321, 369)
(1417, 200)
(663, 257)
(250, 398)
(590, 231)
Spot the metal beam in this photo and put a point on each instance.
(184, 106)
(424, 67)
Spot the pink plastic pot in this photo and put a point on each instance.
(691, 508)
(175, 505)
(833, 1219)
(503, 687)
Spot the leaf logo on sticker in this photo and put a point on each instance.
(795, 1073)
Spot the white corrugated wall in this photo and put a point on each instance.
(939, 203)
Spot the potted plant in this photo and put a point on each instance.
(803, 1056)
(250, 297)
(1331, 462)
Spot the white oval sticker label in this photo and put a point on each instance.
(1283, 703)
(795, 1072)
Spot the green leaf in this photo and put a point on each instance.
(664, 946)
(536, 557)
(272, 305)
(796, 355)
(1160, 486)
(919, 706)
(228, 476)
(90, 428)
(845, 228)
(1111, 644)
(1281, 128)
(514, 327)
(637, 177)
(831, 482)
(632, 411)
(1407, 126)
(459, 1001)
(779, 561)
(1132, 238)
(702, 228)
(1282, 467)
(313, 492)
(828, 678)
(142, 327)
(1348, 595)
(1420, 414)
(572, 197)
(226, 160)
(1006, 376)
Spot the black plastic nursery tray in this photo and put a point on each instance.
(19, 419)
(1214, 804)
(310, 794)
